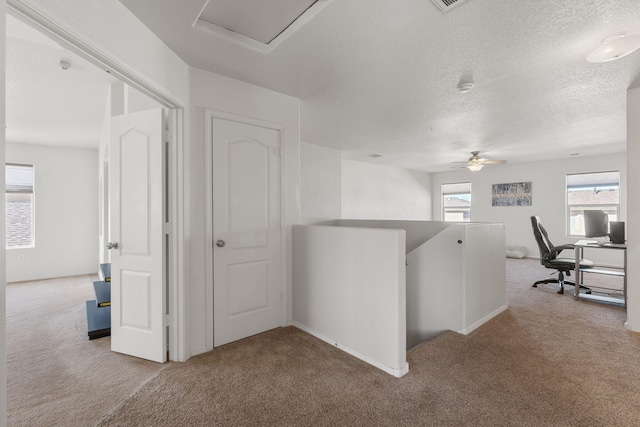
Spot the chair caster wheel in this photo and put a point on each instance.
(588, 292)
(561, 291)
(534, 286)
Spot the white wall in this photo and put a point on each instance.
(548, 187)
(371, 191)
(320, 181)
(349, 290)
(212, 91)
(3, 294)
(633, 222)
(66, 213)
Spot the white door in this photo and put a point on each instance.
(136, 232)
(248, 293)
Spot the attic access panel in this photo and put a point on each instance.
(259, 20)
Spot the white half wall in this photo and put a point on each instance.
(66, 213)
(633, 222)
(549, 194)
(455, 281)
(371, 191)
(350, 291)
(320, 175)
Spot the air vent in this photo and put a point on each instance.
(447, 5)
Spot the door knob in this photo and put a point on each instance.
(221, 243)
(112, 245)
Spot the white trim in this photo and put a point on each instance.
(231, 36)
(250, 43)
(177, 292)
(476, 325)
(208, 250)
(396, 372)
(39, 18)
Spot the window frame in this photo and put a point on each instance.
(444, 193)
(30, 190)
(586, 206)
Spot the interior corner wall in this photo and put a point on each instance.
(633, 222)
(215, 92)
(371, 191)
(548, 180)
(65, 213)
(320, 181)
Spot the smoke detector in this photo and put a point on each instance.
(464, 87)
(447, 5)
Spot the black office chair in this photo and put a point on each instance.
(549, 258)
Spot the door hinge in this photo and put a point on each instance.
(166, 228)
(167, 320)
(166, 136)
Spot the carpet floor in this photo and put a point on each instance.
(546, 361)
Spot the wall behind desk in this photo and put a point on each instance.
(549, 194)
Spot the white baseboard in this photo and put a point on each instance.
(485, 319)
(396, 372)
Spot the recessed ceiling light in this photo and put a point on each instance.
(615, 46)
(374, 155)
(574, 154)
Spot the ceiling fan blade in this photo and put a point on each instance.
(492, 162)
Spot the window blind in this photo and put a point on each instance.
(18, 179)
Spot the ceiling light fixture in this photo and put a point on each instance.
(64, 65)
(474, 167)
(615, 46)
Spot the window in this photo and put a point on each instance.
(19, 206)
(585, 191)
(456, 202)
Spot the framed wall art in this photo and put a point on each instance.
(513, 194)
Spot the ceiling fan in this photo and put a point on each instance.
(475, 162)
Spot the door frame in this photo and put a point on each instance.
(210, 114)
(174, 264)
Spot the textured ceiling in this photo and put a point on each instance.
(48, 105)
(381, 75)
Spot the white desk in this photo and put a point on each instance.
(621, 272)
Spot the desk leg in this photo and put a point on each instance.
(577, 278)
(624, 291)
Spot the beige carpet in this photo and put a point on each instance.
(546, 361)
(56, 376)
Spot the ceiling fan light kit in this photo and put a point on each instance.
(475, 163)
(615, 46)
